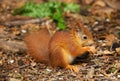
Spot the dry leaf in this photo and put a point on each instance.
(110, 39)
(108, 52)
(113, 3)
(100, 3)
(13, 79)
(90, 73)
(2, 28)
(87, 1)
(118, 50)
(102, 11)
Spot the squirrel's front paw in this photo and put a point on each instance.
(91, 49)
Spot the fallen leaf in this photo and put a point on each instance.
(91, 72)
(103, 11)
(100, 3)
(108, 52)
(110, 39)
(118, 50)
(87, 1)
(13, 79)
(113, 4)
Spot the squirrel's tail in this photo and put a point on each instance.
(37, 44)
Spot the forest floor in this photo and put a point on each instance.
(103, 18)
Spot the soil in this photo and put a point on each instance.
(102, 18)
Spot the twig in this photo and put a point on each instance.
(12, 45)
(109, 75)
(23, 66)
(21, 22)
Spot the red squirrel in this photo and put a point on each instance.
(60, 49)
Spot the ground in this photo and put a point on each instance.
(102, 18)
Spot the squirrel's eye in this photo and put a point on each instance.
(84, 37)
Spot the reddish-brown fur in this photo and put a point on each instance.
(37, 43)
(60, 49)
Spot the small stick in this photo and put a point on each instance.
(12, 45)
(110, 75)
(21, 22)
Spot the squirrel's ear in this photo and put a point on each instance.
(80, 24)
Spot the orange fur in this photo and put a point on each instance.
(37, 43)
(62, 48)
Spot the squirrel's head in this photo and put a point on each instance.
(82, 34)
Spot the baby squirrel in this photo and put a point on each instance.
(62, 48)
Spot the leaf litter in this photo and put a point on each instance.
(104, 65)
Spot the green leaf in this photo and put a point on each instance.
(72, 7)
(61, 25)
(48, 9)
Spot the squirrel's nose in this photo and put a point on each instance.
(90, 42)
